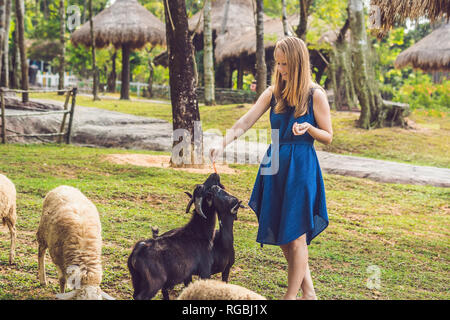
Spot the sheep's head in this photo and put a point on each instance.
(225, 203)
(85, 293)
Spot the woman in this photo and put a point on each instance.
(290, 204)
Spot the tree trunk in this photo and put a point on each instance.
(225, 18)
(112, 77)
(83, 14)
(261, 69)
(20, 11)
(208, 61)
(94, 64)
(62, 29)
(303, 22)
(183, 94)
(228, 74)
(341, 75)
(5, 72)
(46, 11)
(14, 79)
(150, 78)
(365, 90)
(240, 76)
(284, 19)
(125, 88)
(2, 28)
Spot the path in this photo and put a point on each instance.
(99, 127)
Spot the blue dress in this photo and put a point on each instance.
(288, 196)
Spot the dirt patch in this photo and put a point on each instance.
(162, 161)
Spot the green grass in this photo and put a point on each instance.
(401, 229)
(427, 145)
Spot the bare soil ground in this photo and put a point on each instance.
(163, 161)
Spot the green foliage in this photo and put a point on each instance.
(406, 85)
(421, 93)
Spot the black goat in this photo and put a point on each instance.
(223, 247)
(227, 207)
(173, 257)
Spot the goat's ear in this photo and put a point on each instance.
(189, 195)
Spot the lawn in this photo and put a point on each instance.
(427, 144)
(402, 231)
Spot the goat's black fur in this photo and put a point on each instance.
(176, 255)
(226, 206)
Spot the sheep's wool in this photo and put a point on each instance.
(70, 228)
(217, 290)
(7, 198)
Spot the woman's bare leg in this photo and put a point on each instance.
(307, 286)
(296, 253)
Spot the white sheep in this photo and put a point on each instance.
(70, 228)
(8, 211)
(217, 290)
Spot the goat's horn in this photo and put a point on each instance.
(235, 208)
(188, 208)
(189, 195)
(198, 207)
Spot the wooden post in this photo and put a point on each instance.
(63, 123)
(72, 109)
(3, 117)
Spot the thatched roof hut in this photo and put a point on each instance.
(388, 12)
(229, 45)
(45, 49)
(126, 24)
(432, 53)
(240, 17)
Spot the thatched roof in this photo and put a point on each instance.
(431, 53)
(389, 12)
(125, 22)
(240, 16)
(229, 45)
(42, 49)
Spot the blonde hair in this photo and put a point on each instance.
(295, 90)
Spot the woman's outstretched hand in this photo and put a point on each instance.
(300, 128)
(214, 153)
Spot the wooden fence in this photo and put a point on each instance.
(39, 112)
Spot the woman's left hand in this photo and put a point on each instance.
(300, 128)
